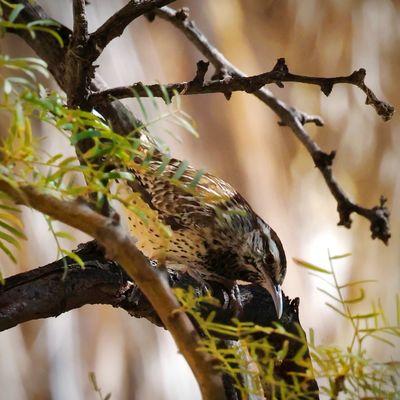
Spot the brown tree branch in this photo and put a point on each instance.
(79, 70)
(120, 246)
(294, 119)
(117, 23)
(250, 84)
(49, 291)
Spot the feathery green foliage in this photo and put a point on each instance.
(254, 361)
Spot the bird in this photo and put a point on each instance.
(194, 222)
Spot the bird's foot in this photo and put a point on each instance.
(235, 300)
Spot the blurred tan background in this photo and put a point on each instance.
(240, 142)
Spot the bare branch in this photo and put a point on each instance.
(250, 84)
(117, 23)
(120, 247)
(294, 119)
(51, 290)
(103, 281)
(357, 78)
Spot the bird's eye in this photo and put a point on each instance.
(269, 258)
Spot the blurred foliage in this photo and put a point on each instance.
(254, 363)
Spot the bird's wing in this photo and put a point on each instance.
(185, 197)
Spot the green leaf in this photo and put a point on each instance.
(7, 86)
(356, 299)
(9, 238)
(367, 316)
(44, 22)
(93, 380)
(15, 12)
(282, 353)
(329, 295)
(311, 336)
(128, 176)
(8, 252)
(187, 125)
(150, 96)
(141, 105)
(299, 357)
(340, 256)
(308, 265)
(165, 94)
(196, 179)
(13, 230)
(90, 133)
(52, 33)
(337, 310)
(67, 161)
(21, 81)
(163, 165)
(354, 283)
(53, 159)
(9, 208)
(383, 340)
(19, 117)
(64, 235)
(181, 170)
(75, 257)
(2, 280)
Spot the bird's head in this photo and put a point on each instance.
(265, 261)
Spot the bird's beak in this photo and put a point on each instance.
(276, 293)
(277, 297)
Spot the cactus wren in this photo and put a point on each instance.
(199, 224)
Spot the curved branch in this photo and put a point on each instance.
(51, 290)
(117, 23)
(250, 84)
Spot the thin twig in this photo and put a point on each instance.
(294, 119)
(250, 84)
(117, 23)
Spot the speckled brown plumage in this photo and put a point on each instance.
(214, 233)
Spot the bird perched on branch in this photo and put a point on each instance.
(199, 224)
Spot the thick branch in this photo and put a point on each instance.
(250, 84)
(117, 23)
(52, 290)
(378, 215)
(120, 247)
(49, 291)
